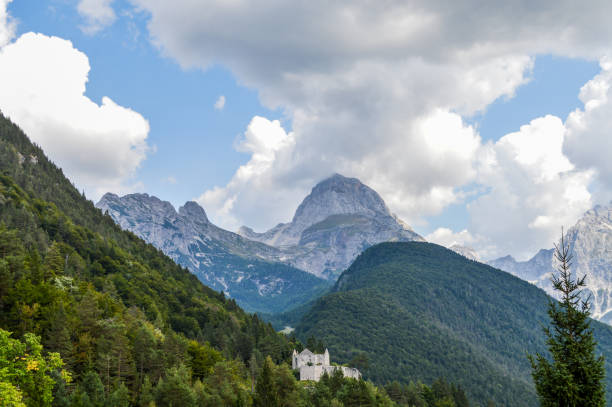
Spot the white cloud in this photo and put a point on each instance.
(380, 107)
(43, 83)
(220, 103)
(98, 14)
(589, 130)
(269, 145)
(380, 90)
(7, 24)
(446, 237)
(534, 190)
(169, 180)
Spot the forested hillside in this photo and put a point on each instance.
(419, 311)
(106, 301)
(91, 315)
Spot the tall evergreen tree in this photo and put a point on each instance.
(574, 377)
(266, 392)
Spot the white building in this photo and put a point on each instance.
(312, 366)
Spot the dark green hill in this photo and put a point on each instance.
(420, 311)
(104, 299)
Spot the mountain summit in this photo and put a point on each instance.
(334, 196)
(339, 219)
(590, 241)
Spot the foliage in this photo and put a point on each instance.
(418, 311)
(116, 309)
(575, 375)
(298, 286)
(266, 390)
(131, 326)
(25, 373)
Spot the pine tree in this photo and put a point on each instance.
(574, 377)
(266, 392)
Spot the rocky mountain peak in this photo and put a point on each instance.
(590, 242)
(338, 220)
(465, 251)
(508, 258)
(109, 196)
(142, 204)
(339, 195)
(193, 211)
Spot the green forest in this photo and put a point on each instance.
(91, 315)
(418, 311)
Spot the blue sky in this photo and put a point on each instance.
(194, 143)
(552, 89)
(172, 77)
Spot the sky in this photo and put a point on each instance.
(486, 125)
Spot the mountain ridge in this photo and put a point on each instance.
(333, 224)
(249, 271)
(338, 220)
(590, 242)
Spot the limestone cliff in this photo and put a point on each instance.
(246, 270)
(590, 241)
(339, 219)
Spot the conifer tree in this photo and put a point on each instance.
(266, 392)
(574, 377)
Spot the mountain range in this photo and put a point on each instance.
(116, 308)
(339, 219)
(248, 271)
(268, 272)
(130, 325)
(590, 242)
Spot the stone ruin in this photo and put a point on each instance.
(312, 366)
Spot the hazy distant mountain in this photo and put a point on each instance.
(465, 251)
(590, 241)
(246, 270)
(338, 220)
(536, 270)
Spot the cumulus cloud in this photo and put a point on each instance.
(269, 145)
(589, 130)
(220, 103)
(534, 189)
(99, 146)
(446, 237)
(381, 91)
(169, 180)
(380, 107)
(7, 25)
(98, 14)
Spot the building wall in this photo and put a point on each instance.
(312, 366)
(300, 360)
(315, 372)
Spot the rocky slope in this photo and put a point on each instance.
(245, 270)
(339, 219)
(590, 241)
(265, 271)
(465, 251)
